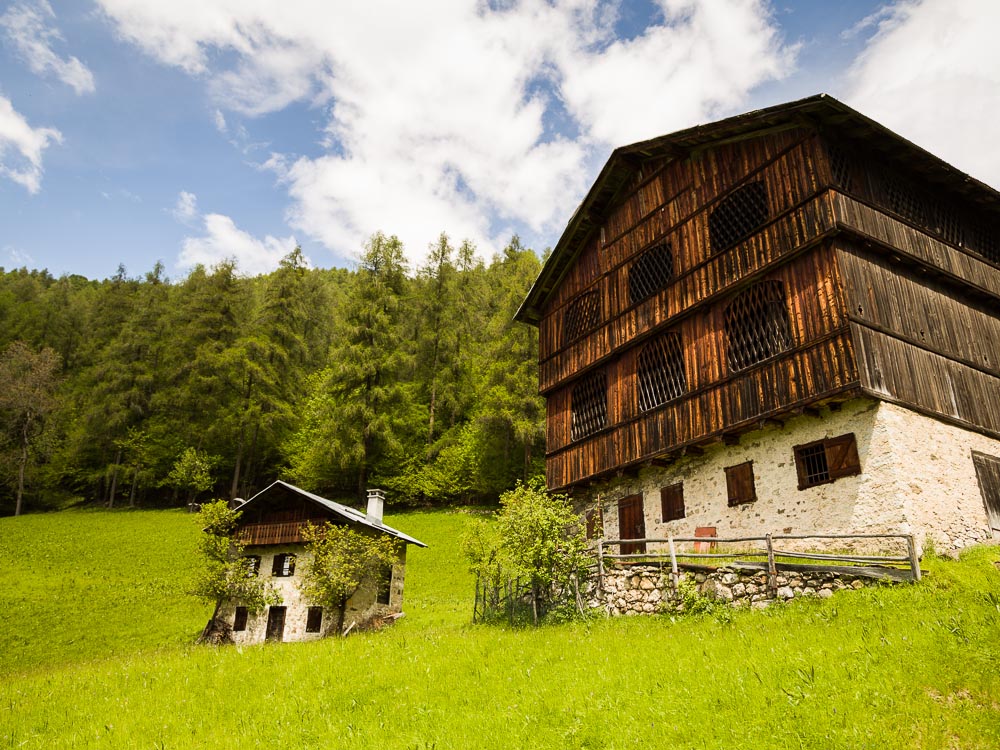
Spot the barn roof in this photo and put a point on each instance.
(820, 112)
(344, 512)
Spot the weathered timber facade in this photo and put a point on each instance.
(738, 275)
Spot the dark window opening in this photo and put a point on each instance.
(672, 502)
(314, 619)
(284, 565)
(985, 242)
(589, 400)
(757, 325)
(737, 216)
(650, 273)
(739, 484)
(661, 371)
(582, 315)
(827, 460)
(254, 569)
(385, 586)
(240, 621)
(595, 524)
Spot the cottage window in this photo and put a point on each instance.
(589, 400)
(314, 619)
(650, 273)
(595, 523)
(757, 325)
(737, 216)
(385, 586)
(253, 569)
(740, 484)
(824, 461)
(661, 371)
(582, 315)
(672, 502)
(284, 565)
(988, 475)
(240, 621)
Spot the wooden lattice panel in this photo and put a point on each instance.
(589, 401)
(582, 315)
(661, 371)
(738, 215)
(650, 273)
(757, 325)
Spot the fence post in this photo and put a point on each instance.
(674, 575)
(911, 548)
(772, 570)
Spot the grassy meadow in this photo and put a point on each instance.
(96, 651)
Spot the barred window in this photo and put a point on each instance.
(824, 461)
(739, 484)
(737, 216)
(589, 400)
(314, 619)
(757, 325)
(582, 315)
(840, 166)
(650, 273)
(661, 371)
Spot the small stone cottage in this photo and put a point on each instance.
(271, 528)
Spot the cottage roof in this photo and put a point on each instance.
(344, 512)
(820, 112)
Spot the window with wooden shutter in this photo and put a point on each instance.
(824, 461)
(595, 524)
(582, 315)
(672, 502)
(314, 619)
(240, 621)
(254, 569)
(632, 524)
(737, 216)
(988, 475)
(283, 565)
(757, 325)
(589, 404)
(650, 273)
(739, 483)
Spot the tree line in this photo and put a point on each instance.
(146, 391)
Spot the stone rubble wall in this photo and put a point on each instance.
(646, 589)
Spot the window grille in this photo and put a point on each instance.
(650, 273)
(840, 167)
(661, 371)
(826, 460)
(672, 502)
(739, 484)
(240, 621)
(589, 400)
(314, 619)
(984, 241)
(283, 565)
(757, 325)
(737, 216)
(254, 569)
(582, 315)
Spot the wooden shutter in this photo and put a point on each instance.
(988, 474)
(672, 502)
(631, 524)
(842, 456)
(595, 524)
(740, 484)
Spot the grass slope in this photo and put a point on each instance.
(904, 667)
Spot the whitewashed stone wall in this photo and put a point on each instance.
(917, 477)
(362, 607)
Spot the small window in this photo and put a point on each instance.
(314, 619)
(240, 621)
(757, 325)
(672, 502)
(661, 371)
(595, 523)
(582, 315)
(739, 484)
(284, 565)
(737, 216)
(650, 273)
(385, 586)
(826, 460)
(254, 569)
(589, 400)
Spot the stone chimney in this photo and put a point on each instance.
(376, 501)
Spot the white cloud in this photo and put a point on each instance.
(223, 240)
(186, 208)
(932, 74)
(18, 257)
(26, 28)
(220, 121)
(451, 116)
(21, 147)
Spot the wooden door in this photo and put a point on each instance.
(275, 624)
(631, 524)
(988, 473)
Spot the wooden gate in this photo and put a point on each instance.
(631, 524)
(988, 473)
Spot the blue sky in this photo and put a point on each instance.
(137, 131)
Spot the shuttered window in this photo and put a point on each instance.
(632, 524)
(661, 371)
(740, 484)
(672, 502)
(988, 475)
(589, 400)
(254, 568)
(824, 461)
(757, 325)
(240, 621)
(581, 316)
(283, 565)
(595, 524)
(737, 216)
(650, 273)
(314, 619)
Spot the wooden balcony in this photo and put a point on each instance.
(270, 533)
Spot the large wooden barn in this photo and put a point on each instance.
(787, 321)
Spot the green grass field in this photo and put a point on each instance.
(96, 634)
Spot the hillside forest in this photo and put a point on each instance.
(147, 391)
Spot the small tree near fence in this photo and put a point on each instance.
(533, 555)
(341, 560)
(226, 575)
